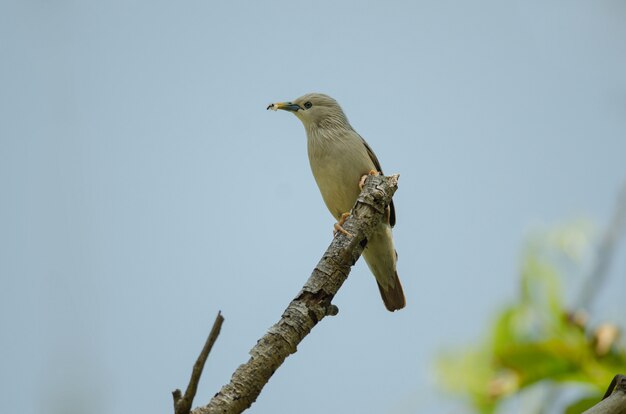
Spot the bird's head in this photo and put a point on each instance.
(315, 110)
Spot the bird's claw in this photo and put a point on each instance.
(364, 177)
(338, 226)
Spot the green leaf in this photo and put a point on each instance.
(552, 359)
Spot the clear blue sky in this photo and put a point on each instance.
(144, 186)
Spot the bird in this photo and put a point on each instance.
(340, 159)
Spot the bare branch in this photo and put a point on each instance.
(310, 306)
(593, 283)
(614, 401)
(182, 404)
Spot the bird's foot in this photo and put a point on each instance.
(338, 225)
(362, 181)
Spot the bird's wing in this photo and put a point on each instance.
(392, 210)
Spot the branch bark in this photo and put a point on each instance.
(310, 306)
(614, 401)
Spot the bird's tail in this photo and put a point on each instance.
(392, 294)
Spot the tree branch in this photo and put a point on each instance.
(595, 280)
(310, 306)
(614, 401)
(182, 404)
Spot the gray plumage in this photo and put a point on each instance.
(339, 157)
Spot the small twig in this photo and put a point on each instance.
(182, 404)
(595, 280)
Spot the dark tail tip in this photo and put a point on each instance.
(393, 296)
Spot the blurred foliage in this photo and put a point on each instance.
(536, 340)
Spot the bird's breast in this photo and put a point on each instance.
(338, 161)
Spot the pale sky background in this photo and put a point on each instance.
(145, 187)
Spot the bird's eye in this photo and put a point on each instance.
(308, 104)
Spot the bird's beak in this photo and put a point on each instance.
(286, 106)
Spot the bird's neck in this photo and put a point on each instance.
(323, 139)
(328, 127)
